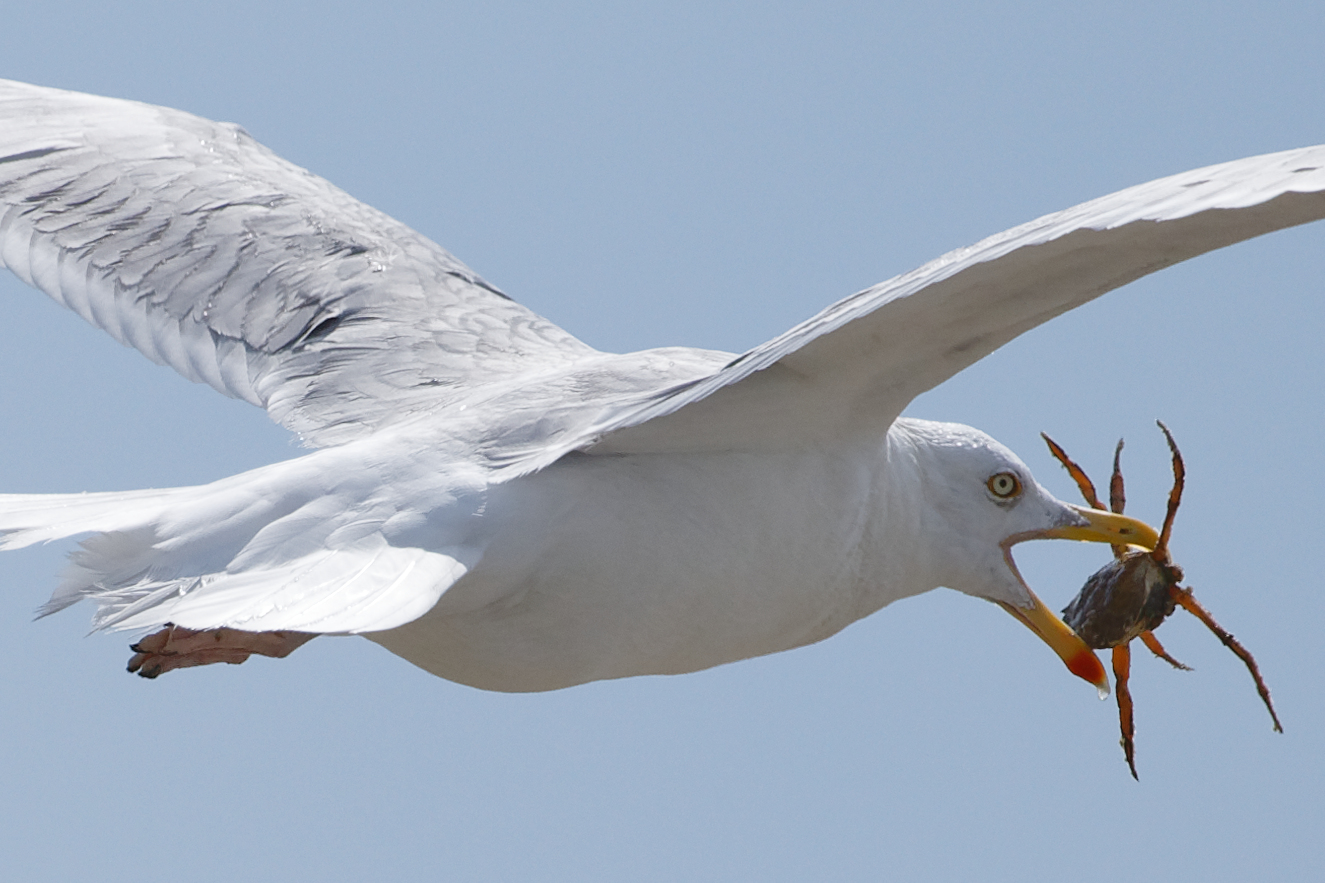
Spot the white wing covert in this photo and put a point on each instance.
(196, 245)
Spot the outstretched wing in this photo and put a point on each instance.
(191, 242)
(861, 361)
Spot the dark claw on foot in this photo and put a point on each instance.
(176, 647)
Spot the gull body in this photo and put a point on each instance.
(605, 567)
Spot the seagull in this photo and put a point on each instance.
(497, 502)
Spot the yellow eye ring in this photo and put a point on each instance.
(1004, 485)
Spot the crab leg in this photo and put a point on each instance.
(1151, 642)
(1078, 474)
(1087, 487)
(1117, 496)
(1122, 663)
(1175, 495)
(1188, 603)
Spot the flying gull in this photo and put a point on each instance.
(501, 504)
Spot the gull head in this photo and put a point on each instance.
(972, 500)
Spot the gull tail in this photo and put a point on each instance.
(281, 547)
(113, 517)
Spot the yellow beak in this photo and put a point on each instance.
(1104, 527)
(1079, 658)
(1100, 527)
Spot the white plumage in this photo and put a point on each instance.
(493, 499)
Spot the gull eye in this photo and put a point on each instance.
(1004, 485)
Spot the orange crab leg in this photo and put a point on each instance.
(1078, 474)
(1175, 495)
(1188, 603)
(1122, 664)
(1117, 496)
(1087, 487)
(1149, 639)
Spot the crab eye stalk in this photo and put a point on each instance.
(1004, 485)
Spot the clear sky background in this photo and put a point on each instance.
(709, 174)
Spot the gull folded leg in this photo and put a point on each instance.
(177, 647)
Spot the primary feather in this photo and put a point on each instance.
(191, 242)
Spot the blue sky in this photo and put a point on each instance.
(709, 174)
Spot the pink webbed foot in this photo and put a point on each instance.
(177, 647)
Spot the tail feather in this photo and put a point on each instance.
(88, 567)
(290, 546)
(39, 518)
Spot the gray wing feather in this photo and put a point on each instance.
(191, 242)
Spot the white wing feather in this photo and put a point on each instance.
(191, 242)
(856, 365)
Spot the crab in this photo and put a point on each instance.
(1130, 596)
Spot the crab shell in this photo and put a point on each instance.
(1126, 597)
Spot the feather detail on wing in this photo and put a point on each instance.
(857, 364)
(191, 242)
